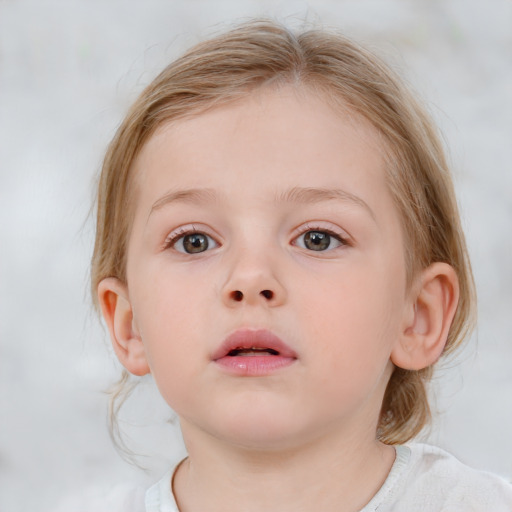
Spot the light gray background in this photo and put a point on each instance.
(68, 71)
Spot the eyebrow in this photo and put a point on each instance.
(189, 195)
(317, 195)
(303, 195)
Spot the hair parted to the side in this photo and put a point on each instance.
(264, 53)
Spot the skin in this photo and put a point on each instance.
(303, 437)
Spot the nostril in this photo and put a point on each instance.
(237, 295)
(268, 294)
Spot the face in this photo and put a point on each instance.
(265, 270)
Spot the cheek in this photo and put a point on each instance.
(356, 317)
(354, 336)
(166, 312)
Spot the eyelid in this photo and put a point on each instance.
(326, 227)
(177, 234)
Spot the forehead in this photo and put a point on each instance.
(288, 133)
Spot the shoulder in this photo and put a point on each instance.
(159, 497)
(437, 477)
(433, 462)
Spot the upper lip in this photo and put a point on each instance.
(253, 338)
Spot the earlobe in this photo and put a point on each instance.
(428, 319)
(117, 312)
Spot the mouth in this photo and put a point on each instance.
(253, 353)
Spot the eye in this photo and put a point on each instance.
(318, 240)
(192, 243)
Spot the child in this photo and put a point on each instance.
(278, 244)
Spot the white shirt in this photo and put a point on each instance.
(423, 478)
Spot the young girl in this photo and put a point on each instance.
(278, 244)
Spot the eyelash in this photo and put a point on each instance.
(343, 240)
(175, 237)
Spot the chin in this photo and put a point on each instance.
(262, 432)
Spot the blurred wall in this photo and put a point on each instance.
(68, 71)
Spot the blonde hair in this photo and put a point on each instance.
(261, 53)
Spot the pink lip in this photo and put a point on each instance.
(254, 365)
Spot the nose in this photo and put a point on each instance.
(253, 280)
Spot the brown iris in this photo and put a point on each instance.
(317, 240)
(195, 242)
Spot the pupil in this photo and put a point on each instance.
(195, 243)
(316, 240)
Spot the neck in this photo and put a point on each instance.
(333, 473)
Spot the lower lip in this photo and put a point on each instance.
(254, 366)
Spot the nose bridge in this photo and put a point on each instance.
(253, 273)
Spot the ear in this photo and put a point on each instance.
(117, 311)
(428, 318)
